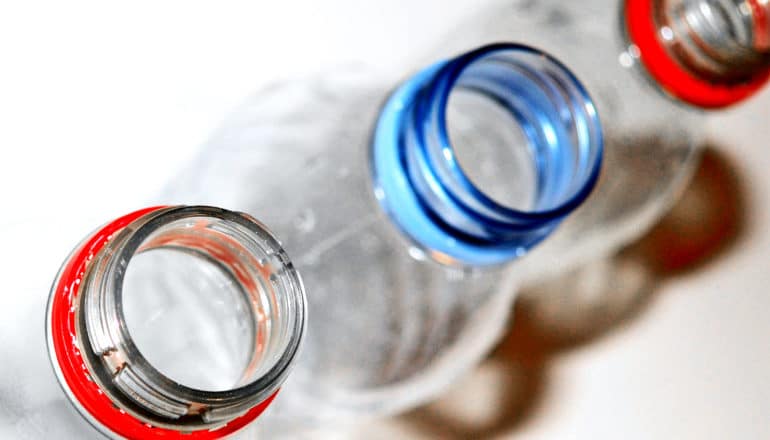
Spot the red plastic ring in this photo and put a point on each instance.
(73, 369)
(675, 79)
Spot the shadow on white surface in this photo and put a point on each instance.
(506, 393)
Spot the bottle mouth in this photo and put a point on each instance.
(548, 103)
(707, 53)
(423, 182)
(102, 366)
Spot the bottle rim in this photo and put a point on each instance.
(642, 32)
(99, 404)
(441, 88)
(443, 212)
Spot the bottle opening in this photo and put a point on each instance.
(492, 148)
(708, 53)
(520, 128)
(189, 317)
(203, 303)
(718, 39)
(175, 319)
(479, 157)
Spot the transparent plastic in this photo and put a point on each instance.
(387, 207)
(653, 128)
(653, 67)
(176, 320)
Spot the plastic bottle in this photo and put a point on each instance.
(400, 228)
(653, 68)
(174, 322)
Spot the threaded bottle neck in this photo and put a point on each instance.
(708, 53)
(103, 361)
(725, 40)
(425, 187)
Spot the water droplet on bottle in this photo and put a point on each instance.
(305, 221)
(625, 59)
(667, 33)
(416, 253)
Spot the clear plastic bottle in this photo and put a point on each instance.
(174, 322)
(402, 209)
(652, 67)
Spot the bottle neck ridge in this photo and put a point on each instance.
(427, 191)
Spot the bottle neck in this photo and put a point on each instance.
(102, 366)
(422, 183)
(708, 53)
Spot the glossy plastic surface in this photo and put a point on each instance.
(94, 378)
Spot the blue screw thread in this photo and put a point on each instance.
(426, 193)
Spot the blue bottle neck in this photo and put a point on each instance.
(420, 183)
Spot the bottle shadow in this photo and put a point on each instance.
(703, 226)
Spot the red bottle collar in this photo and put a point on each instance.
(88, 395)
(675, 79)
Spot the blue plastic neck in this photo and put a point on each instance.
(421, 186)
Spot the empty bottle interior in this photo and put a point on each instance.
(492, 148)
(188, 317)
(518, 127)
(201, 307)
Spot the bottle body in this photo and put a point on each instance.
(404, 261)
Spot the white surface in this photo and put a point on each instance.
(100, 103)
(127, 91)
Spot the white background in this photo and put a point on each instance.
(100, 103)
